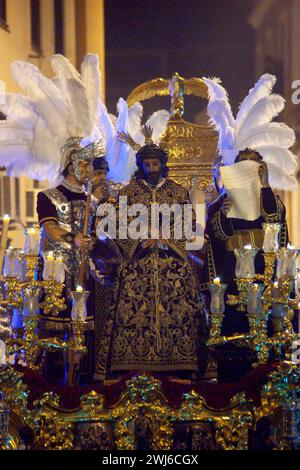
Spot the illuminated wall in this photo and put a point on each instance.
(33, 30)
(276, 23)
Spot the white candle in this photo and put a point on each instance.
(271, 233)
(9, 263)
(216, 281)
(286, 262)
(32, 243)
(59, 270)
(245, 267)
(3, 242)
(2, 353)
(79, 289)
(48, 272)
(254, 305)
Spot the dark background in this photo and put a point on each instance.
(154, 38)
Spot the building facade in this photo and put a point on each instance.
(33, 30)
(277, 42)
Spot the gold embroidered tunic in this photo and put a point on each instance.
(158, 321)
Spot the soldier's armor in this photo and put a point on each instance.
(70, 217)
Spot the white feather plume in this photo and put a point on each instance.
(119, 158)
(135, 113)
(91, 79)
(262, 88)
(79, 122)
(275, 133)
(280, 179)
(280, 157)
(215, 88)
(253, 129)
(263, 112)
(38, 124)
(217, 92)
(48, 99)
(158, 122)
(63, 68)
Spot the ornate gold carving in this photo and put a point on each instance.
(143, 401)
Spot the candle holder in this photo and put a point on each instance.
(271, 236)
(286, 262)
(21, 296)
(4, 421)
(245, 257)
(267, 298)
(217, 309)
(254, 304)
(54, 301)
(241, 299)
(31, 265)
(79, 311)
(32, 240)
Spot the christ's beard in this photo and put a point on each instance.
(153, 178)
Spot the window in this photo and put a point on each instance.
(59, 26)
(3, 10)
(35, 25)
(29, 204)
(3, 14)
(5, 195)
(17, 197)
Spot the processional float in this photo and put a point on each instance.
(192, 150)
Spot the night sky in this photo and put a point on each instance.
(154, 38)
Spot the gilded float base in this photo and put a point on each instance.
(143, 418)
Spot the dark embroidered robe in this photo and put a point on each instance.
(226, 234)
(158, 321)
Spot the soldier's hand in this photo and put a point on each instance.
(82, 242)
(226, 206)
(263, 174)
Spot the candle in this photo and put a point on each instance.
(30, 302)
(3, 242)
(9, 263)
(245, 256)
(2, 353)
(20, 265)
(79, 310)
(254, 305)
(48, 271)
(217, 304)
(286, 262)
(59, 270)
(32, 242)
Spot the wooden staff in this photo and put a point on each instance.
(74, 358)
(3, 242)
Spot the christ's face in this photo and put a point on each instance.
(152, 170)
